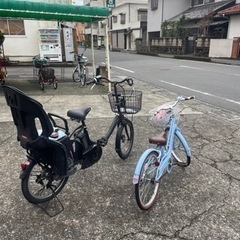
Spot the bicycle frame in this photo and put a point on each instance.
(119, 118)
(164, 153)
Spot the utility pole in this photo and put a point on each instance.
(161, 32)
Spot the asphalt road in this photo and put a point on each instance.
(215, 84)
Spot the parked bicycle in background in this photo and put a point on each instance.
(171, 149)
(79, 72)
(46, 75)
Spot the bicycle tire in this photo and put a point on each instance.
(75, 75)
(41, 82)
(180, 153)
(83, 79)
(146, 184)
(124, 139)
(79, 75)
(82, 76)
(41, 181)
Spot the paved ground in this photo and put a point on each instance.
(201, 202)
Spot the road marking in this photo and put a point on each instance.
(204, 93)
(124, 69)
(191, 67)
(208, 70)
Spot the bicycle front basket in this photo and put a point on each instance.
(39, 62)
(128, 101)
(162, 114)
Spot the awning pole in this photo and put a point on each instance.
(92, 46)
(107, 55)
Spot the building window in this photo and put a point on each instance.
(197, 2)
(154, 4)
(114, 19)
(209, 1)
(122, 18)
(12, 27)
(142, 14)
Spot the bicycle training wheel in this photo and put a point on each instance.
(147, 188)
(180, 153)
(37, 185)
(124, 139)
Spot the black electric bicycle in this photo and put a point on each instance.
(53, 152)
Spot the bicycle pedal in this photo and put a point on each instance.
(103, 142)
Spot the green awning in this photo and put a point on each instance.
(51, 11)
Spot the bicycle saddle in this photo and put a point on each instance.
(159, 139)
(79, 114)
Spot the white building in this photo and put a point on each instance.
(127, 23)
(162, 10)
(230, 47)
(22, 36)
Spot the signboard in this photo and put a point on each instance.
(77, 2)
(111, 3)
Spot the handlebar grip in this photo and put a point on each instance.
(189, 98)
(130, 81)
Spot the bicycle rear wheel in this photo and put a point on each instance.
(38, 186)
(180, 153)
(147, 188)
(124, 139)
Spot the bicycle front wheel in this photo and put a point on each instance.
(38, 186)
(124, 139)
(180, 153)
(79, 75)
(147, 188)
(41, 82)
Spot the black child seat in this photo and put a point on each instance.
(44, 143)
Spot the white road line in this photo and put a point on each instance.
(191, 67)
(204, 93)
(208, 70)
(124, 69)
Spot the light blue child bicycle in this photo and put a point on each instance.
(171, 149)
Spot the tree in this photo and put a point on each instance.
(174, 28)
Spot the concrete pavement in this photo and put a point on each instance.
(200, 202)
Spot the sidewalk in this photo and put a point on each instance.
(200, 202)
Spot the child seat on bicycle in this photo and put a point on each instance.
(45, 144)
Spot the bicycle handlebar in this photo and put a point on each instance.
(181, 98)
(189, 98)
(96, 80)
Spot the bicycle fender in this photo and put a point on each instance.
(184, 142)
(25, 171)
(140, 163)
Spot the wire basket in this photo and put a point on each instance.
(129, 101)
(48, 73)
(162, 114)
